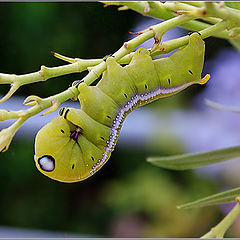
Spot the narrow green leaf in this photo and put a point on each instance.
(194, 160)
(235, 44)
(220, 229)
(222, 107)
(219, 198)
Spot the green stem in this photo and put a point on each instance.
(160, 10)
(49, 102)
(194, 3)
(177, 5)
(77, 65)
(125, 60)
(219, 230)
(225, 13)
(52, 103)
(45, 73)
(170, 45)
(129, 46)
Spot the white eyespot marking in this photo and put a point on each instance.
(47, 163)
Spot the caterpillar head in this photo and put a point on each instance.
(63, 153)
(70, 147)
(55, 150)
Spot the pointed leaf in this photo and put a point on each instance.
(194, 160)
(235, 44)
(219, 198)
(222, 107)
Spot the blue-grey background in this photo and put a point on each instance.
(128, 197)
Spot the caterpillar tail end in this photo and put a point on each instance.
(205, 79)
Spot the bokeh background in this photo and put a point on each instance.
(128, 197)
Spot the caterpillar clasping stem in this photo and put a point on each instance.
(105, 106)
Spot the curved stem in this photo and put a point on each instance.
(162, 11)
(43, 74)
(170, 45)
(129, 46)
(220, 229)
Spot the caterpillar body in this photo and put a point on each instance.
(76, 144)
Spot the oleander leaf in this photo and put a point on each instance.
(194, 160)
(219, 198)
(221, 107)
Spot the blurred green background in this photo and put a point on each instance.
(128, 197)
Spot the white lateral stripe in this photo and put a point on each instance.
(118, 120)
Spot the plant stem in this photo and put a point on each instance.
(219, 230)
(162, 11)
(45, 73)
(177, 5)
(132, 44)
(225, 13)
(170, 45)
(52, 103)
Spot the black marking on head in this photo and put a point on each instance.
(73, 166)
(125, 95)
(102, 138)
(190, 72)
(47, 163)
(199, 33)
(92, 158)
(169, 81)
(66, 112)
(109, 117)
(146, 86)
(61, 111)
(62, 131)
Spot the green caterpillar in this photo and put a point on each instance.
(75, 145)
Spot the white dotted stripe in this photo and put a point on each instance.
(118, 120)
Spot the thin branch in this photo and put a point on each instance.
(40, 104)
(43, 74)
(161, 11)
(219, 230)
(170, 45)
(132, 44)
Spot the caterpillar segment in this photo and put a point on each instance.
(75, 145)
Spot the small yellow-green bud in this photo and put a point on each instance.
(6, 136)
(4, 115)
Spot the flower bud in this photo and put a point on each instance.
(6, 136)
